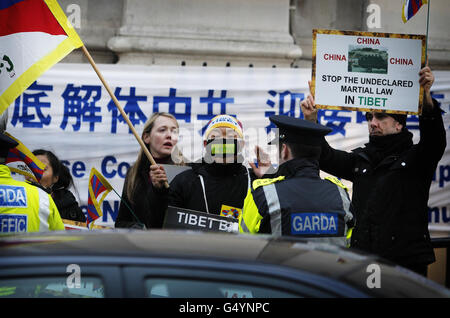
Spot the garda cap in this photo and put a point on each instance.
(299, 131)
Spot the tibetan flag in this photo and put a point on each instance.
(22, 161)
(97, 186)
(34, 35)
(411, 7)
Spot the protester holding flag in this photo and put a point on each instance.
(139, 202)
(391, 180)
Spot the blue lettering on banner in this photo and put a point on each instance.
(104, 165)
(293, 105)
(360, 117)
(81, 106)
(78, 169)
(441, 215)
(12, 196)
(443, 175)
(107, 209)
(334, 119)
(172, 100)
(210, 101)
(28, 117)
(110, 167)
(112, 211)
(314, 223)
(13, 223)
(122, 168)
(131, 109)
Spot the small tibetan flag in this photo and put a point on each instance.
(22, 161)
(34, 35)
(411, 7)
(97, 186)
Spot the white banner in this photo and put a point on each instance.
(68, 112)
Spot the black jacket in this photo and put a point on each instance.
(390, 195)
(304, 195)
(67, 205)
(224, 185)
(144, 211)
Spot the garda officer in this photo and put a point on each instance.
(297, 202)
(23, 207)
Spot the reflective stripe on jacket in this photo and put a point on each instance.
(300, 204)
(25, 208)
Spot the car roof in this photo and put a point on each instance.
(300, 254)
(315, 258)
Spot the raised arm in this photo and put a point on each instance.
(432, 131)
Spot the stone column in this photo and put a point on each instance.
(206, 32)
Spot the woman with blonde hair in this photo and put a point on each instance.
(139, 205)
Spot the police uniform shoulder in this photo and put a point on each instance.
(264, 182)
(336, 181)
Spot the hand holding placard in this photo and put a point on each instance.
(426, 80)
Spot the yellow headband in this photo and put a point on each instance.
(224, 121)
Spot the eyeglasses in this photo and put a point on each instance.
(379, 116)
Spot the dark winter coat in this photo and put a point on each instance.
(391, 190)
(224, 185)
(144, 210)
(67, 205)
(301, 195)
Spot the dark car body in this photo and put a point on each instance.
(183, 264)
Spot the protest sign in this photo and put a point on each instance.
(178, 218)
(368, 71)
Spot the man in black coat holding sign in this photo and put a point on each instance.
(391, 180)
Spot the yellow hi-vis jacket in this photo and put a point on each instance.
(25, 208)
(299, 206)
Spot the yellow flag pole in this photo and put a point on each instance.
(122, 112)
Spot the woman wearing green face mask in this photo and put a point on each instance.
(219, 183)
